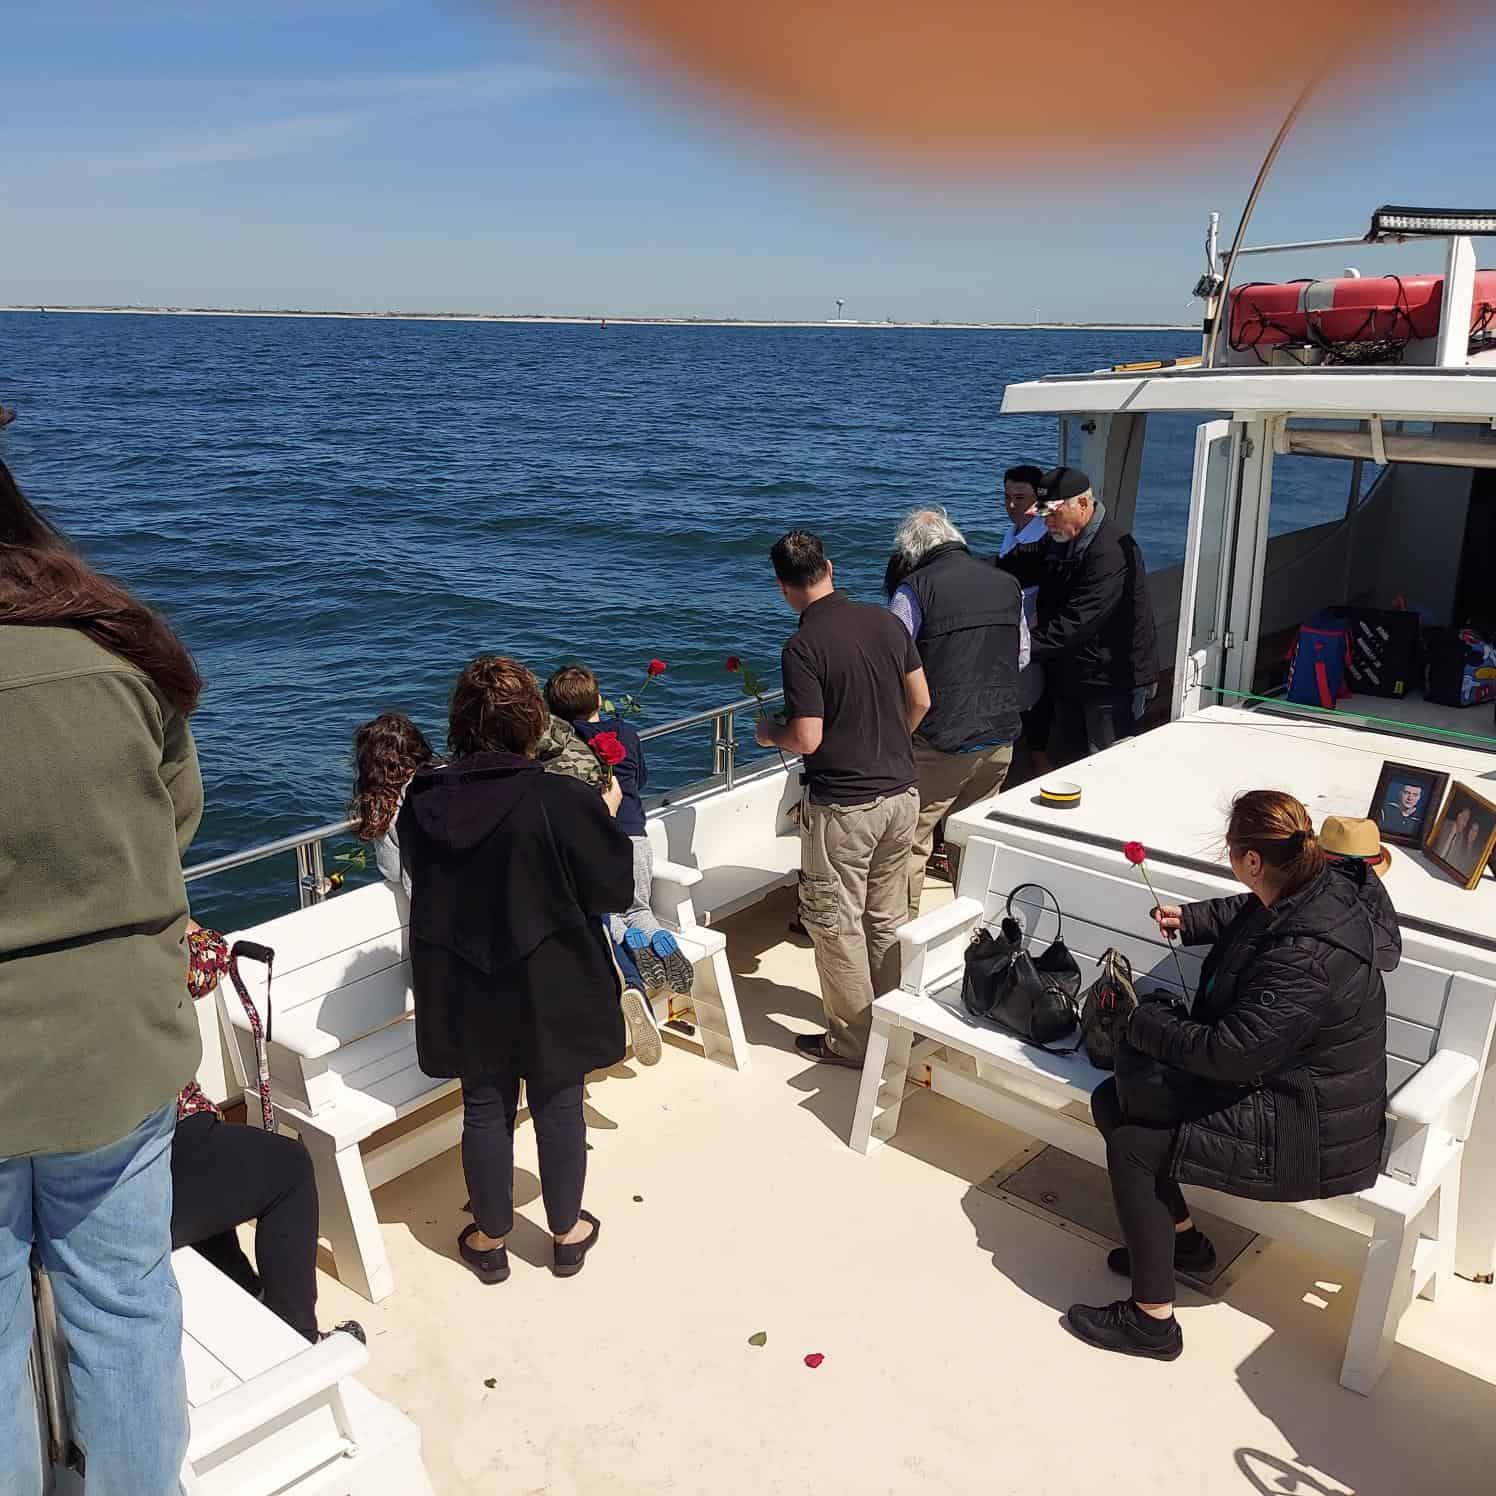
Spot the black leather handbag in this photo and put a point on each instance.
(1032, 998)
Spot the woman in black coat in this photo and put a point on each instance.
(512, 870)
(1272, 1087)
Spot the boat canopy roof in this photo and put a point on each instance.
(1422, 394)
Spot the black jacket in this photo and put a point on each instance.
(512, 870)
(1095, 632)
(1291, 1025)
(968, 644)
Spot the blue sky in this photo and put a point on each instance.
(451, 155)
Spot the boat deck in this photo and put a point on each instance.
(732, 1205)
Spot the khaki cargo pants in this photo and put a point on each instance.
(949, 782)
(854, 894)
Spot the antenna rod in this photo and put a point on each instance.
(1214, 336)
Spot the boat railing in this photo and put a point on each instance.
(313, 885)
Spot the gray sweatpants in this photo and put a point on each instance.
(640, 915)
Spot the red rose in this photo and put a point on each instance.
(609, 749)
(656, 667)
(734, 664)
(1136, 853)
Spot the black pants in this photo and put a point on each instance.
(1089, 724)
(222, 1176)
(1149, 1203)
(489, 1106)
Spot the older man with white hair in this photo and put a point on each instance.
(966, 620)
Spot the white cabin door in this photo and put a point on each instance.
(1204, 602)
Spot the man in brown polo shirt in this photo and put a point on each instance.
(854, 691)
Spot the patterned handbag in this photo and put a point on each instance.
(1105, 1009)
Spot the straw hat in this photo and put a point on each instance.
(1351, 837)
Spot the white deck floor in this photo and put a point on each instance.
(731, 1204)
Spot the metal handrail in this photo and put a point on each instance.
(697, 719)
(230, 860)
(312, 884)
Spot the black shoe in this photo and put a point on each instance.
(1124, 1328)
(817, 1047)
(491, 1266)
(1193, 1253)
(348, 1327)
(652, 970)
(570, 1256)
(679, 973)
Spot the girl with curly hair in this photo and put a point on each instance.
(386, 754)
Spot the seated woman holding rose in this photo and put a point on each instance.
(1271, 1087)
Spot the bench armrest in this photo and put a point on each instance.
(287, 1031)
(933, 946)
(1421, 1114)
(1425, 1097)
(268, 1398)
(670, 893)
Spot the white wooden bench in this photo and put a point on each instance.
(1400, 1233)
(342, 1053)
(742, 843)
(269, 1414)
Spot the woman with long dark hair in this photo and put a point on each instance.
(1273, 1086)
(386, 754)
(99, 798)
(512, 871)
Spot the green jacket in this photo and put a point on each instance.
(99, 798)
(564, 751)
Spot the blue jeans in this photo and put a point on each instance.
(100, 1222)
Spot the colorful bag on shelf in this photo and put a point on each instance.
(1320, 662)
(1461, 667)
(1385, 647)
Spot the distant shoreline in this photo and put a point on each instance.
(212, 311)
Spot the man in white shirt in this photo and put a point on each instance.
(1021, 501)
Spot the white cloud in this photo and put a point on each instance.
(459, 88)
(208, 13)
(218, 145)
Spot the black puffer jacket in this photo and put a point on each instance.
(1291, 1020)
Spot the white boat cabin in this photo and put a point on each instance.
(1398, 463)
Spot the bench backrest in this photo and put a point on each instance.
(342, 967)
(1428, 1008)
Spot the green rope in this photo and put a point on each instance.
(1484, 739)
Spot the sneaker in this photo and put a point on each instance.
(1124, 1328)
(1193, 1253)
(348, 1327)
(651, 969)
(644, 1033)
(679, 973)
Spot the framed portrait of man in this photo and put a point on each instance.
(1406, 803)
(1464, 836)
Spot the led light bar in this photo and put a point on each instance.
(1390, 222)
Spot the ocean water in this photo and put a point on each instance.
(337, 514)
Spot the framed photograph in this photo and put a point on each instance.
(1464, 835)
(1406, 803)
